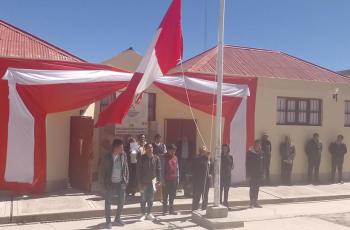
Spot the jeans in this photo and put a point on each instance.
(314, 166)
(224, 188)
(169, 191)
(286, 173)
(147, 197)
(200, 189)
(114, 189)
(254, 190)
(337, 163)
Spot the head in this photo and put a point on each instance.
(265, 136)
(340, 138)
(257, 146)
(225, 149)
(315, 136)
(117, 146)
(288, 140)
(203, 151)
(131, 140)
(157, 138)
(149, 149)
(142, 139)
(172, 149)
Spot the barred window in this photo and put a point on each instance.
(299, 111)
(347, 114)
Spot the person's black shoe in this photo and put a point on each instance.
(172, 212)
(341, 182)
(119, 222)
(257, 205)
(251, 206)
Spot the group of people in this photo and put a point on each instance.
(313, 150)
(140, 166)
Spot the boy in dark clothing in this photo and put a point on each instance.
(266, 150)
(287, 151)
(170, 179)
(201, 178)
(148, 174)
(225, 175)
(313, 151)
(338, 150)
(254, 167)
(115, 178)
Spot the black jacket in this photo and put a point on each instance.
(148, 169)
(266, 147)
(202, 170)
(226, 166)
(107, 168)
(337, 150)
(313, 148)
(254, 164)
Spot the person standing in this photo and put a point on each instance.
(266, 149)
(142, 142)
(201, 178)
(116, 178)
(225, 176)
(313, 151)
(287, 151)
(169, 179)
(338, 150)
(158, 147)
(254, 167)
(132, 152)
(148, 174)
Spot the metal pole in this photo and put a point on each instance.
(218, 124)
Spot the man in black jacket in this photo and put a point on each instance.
(266, 150)
(254, 167)
(115, 178)
(313, 151)
(338, 150)
(225, 174)
(148, 174)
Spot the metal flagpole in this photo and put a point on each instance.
(218, 124)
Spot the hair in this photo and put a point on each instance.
(157, 135)
(131, 139)
(140, 135)
(147, 145)
(172, 147)
(340, 136)
(117, 143)
(257, 142)
(227, 146)
(315, 135)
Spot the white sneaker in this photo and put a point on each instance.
(150, 217)
(143, 218)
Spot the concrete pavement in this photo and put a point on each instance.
(70, 204)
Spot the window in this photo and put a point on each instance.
(299, 111)
(347, 114)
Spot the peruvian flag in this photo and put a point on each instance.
(164, 53)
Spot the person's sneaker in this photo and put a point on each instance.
(119, 222)
(172, 212)
(143, 218)
(257, 205)
(109, 226)
(150, 216)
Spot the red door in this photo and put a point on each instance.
(176, 129)
(81, 134)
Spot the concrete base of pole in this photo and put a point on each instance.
(215, 218)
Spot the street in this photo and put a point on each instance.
(322, 215)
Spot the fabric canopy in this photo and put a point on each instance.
(29, 90)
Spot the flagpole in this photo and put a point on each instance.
(218, 120)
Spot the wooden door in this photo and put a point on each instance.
(80, 154)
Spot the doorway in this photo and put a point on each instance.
(80, 152)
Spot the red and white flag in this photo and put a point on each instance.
(163, 54)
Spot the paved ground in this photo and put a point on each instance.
(321, 215)
(70, 204)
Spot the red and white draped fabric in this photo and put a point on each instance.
(29, 90)
(238, 110)
(163, 54)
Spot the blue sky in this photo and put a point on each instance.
(314, 30)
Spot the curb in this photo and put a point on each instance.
(99, 213)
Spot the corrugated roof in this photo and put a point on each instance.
(252, 62)
(345, 73)
(16, 43)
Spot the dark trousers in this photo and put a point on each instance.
(132, 186)
(115, 189)
(254, 184)
(224, 188)
(337, 163)
(267, 160)
(169, 193)
(147, 196)
(200, 190)
(286, 173)
(314, 167)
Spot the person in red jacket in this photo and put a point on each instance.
(170, 178)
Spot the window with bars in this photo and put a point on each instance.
(299, 111)
(347, 114)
